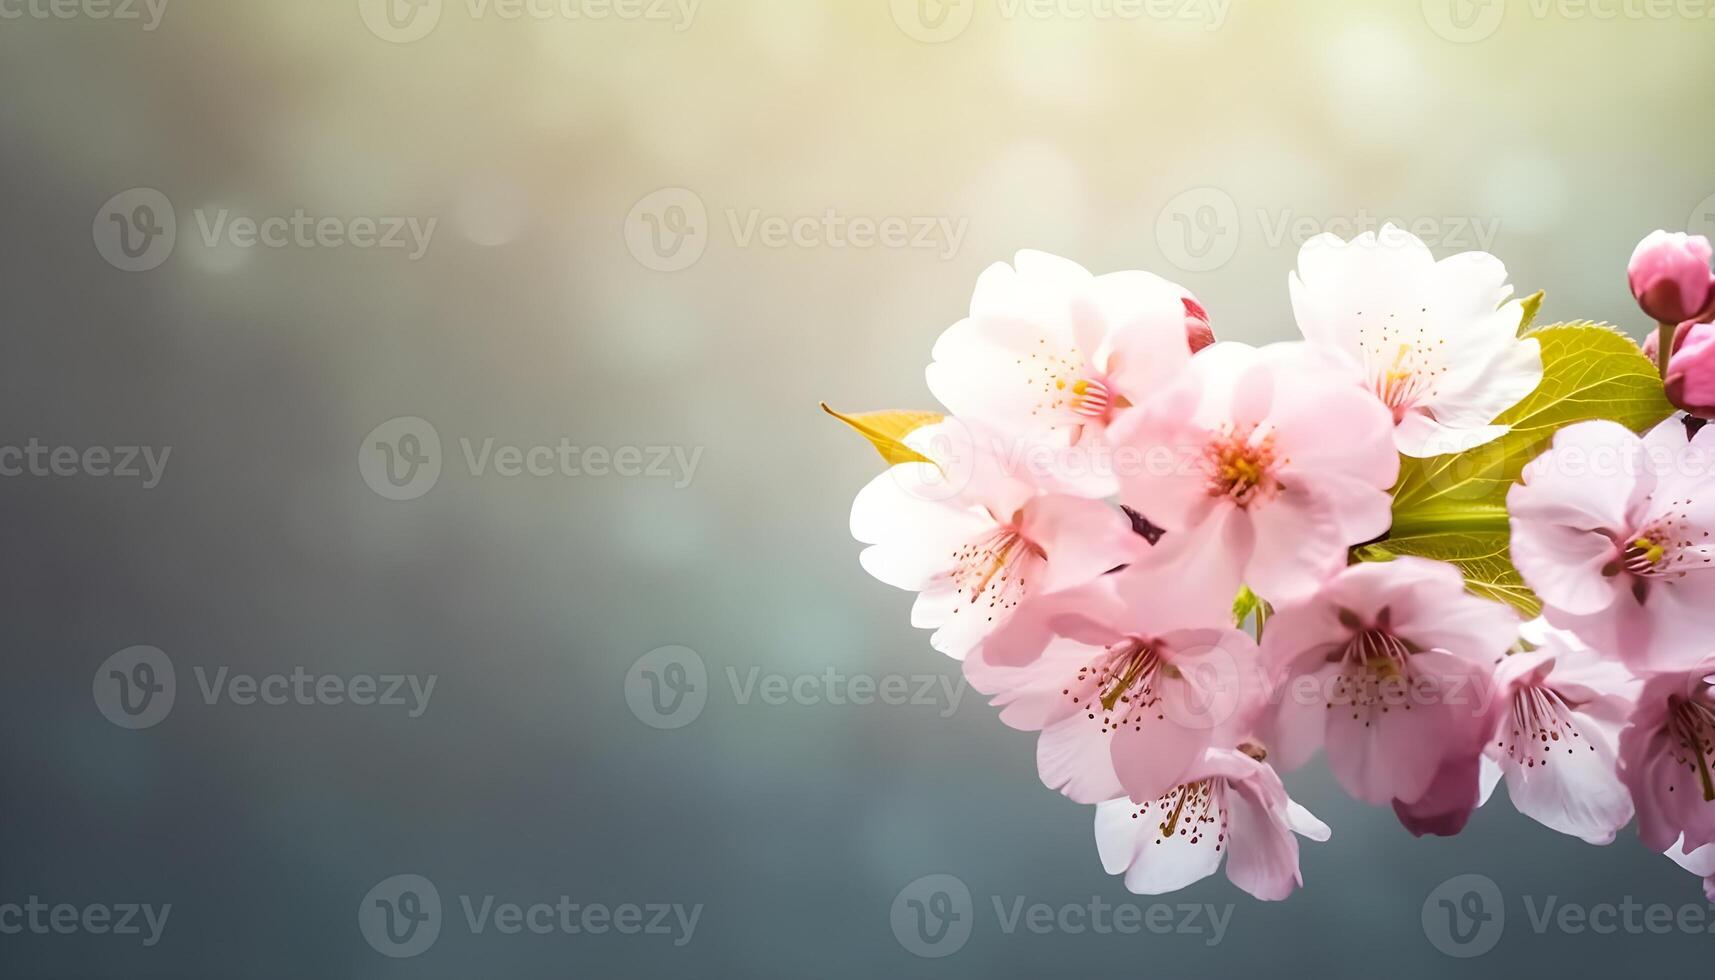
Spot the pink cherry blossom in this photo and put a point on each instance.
(1232, 805)
(1667, 759)
(1613, 532)
(1389, 668)
(1436, 342)
(1050, 347)
(977, 538)
(1263, 466)
(1562, 707)
(1129, 692)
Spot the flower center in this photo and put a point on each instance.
(1091, 398)
(995, 567)
(1121, 684)
(1403, 368)
(1066, 386)
(1665, 549)
(1643, 556)
(1375, 674)
(1191, 811)
(1693, 729)
(1540, 721)
(1241, 467)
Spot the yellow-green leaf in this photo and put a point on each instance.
(1590, 371)
(886, 431)
(1532, 306)
(1481, 556)
(1453, 508)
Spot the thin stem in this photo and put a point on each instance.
(1664, 346)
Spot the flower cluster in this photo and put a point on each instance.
(1430, 541)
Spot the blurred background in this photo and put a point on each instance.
(478, 343)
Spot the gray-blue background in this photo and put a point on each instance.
(1553, 137)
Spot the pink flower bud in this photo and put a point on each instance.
(1197, 329)
(1691, 373)
(1670, 277)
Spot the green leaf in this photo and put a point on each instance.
(887, 430)
(1532, 306)
(1590, 371)
(1453, 508)
(1482, 556)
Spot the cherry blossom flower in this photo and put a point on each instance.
(1667, 759)
(1562, 707)
(1109, 631)
(1613, 533)
(1129, 691)
(976, 537)
(1263, 467)
(1048, 347)
(1437, 342)
(1233, 806)
(1389, 667)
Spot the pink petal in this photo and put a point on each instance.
(1299, 544)
(1073, 757)
(1573, 785)
(1083, 539)
(1262, 857)
(1153, 755)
